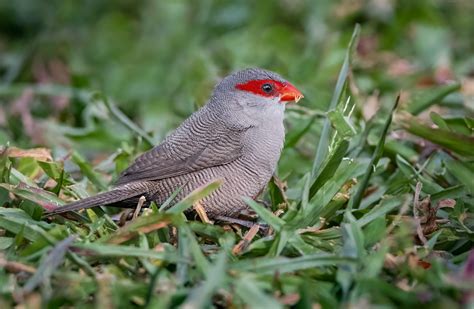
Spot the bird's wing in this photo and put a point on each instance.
(196, 145)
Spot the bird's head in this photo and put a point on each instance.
(256, 88)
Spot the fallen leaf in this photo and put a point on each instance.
(371, 105)
(468, 272)
(444, 74)
(447, 203)
(244, 243)
(22, 107)
(401, 67)
(40, 154)
(289, 299)
(368, 45)
(424, 264)
(44, 198)
(201, 213)
(3, 118)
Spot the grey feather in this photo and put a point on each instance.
(203, 141)
(237, 136)
(126, 192)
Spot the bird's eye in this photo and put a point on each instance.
(267, 88)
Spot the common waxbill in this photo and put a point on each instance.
(236, 136)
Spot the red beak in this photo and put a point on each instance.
(290, 93)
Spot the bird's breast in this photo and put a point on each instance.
(263, 147)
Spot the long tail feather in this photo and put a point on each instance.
(105, 198)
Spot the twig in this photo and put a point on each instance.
(245, 242)
(201, 213)
(124, 217)
(416, 206)
(398, 218)
(16, 267)
(141, 201)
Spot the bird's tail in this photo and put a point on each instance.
(106, 198)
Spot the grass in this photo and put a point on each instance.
(373, 205)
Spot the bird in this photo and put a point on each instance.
(237, 136)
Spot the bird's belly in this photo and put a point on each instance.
(241, 178)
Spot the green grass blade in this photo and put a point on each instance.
(355, 200)
(201, 296)
(423, 99)
(195, 197)
(459, 143)
(142, 224)
(326, 193)
(251, 294)
(51, 262)
(283, 265)
(45, 199)
(88, 171)
(280, 241)
(275, 222)
(330, 167)
(429, 185)
(123, 119)
(293, 137)
(380, 210)
(341, 81)
(341, 123)
(462, 172)
(170, 199)
(194, 248)
(16, 220)
(118, 251)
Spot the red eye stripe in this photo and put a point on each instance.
(255, 86)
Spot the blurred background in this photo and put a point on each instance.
(158, 61)
(85, 86)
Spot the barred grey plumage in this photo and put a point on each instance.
(237, 136)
